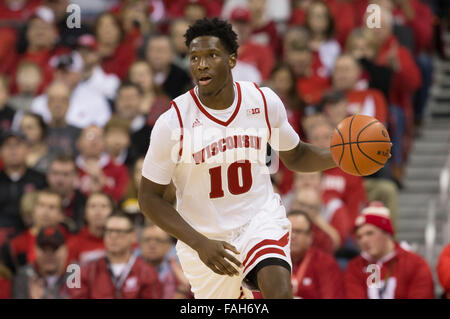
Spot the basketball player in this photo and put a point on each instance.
(232, 230)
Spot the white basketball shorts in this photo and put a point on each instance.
(267, 235)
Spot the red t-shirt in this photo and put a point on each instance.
(5, 288)
(408, 276)
(317, 276)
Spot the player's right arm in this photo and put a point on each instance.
(157, 172)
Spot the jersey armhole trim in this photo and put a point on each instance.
(265, 109)
(181, 126)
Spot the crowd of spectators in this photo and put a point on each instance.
(77, 105)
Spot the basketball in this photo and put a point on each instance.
(360, 145)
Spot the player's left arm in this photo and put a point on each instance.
(295, 154)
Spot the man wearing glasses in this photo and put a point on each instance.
(120, 274)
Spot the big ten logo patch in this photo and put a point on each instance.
(253, 111)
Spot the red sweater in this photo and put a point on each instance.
(141, 283)
(368, 102)
(85, 247)
(406, 80)
(409, 277)
(317, 276)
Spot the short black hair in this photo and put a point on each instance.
(213, 27)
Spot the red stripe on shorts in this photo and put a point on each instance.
(270, 250)
(283, 241)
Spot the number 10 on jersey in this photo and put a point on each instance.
(242, 168)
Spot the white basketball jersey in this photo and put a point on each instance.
(217, 158)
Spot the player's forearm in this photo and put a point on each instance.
(310, 158)
(160, 212)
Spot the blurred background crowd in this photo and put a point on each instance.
(77, 105)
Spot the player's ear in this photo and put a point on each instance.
(232, 58)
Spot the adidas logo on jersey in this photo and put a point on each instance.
(196, 123)
(253, 111)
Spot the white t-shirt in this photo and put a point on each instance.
(217, 161)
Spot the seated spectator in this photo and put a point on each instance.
(402, 274)
(35, 131)
(116, 51)
(339, 188)
(167, 76)
(154, 101)
(28, 79)
(321, 27)
(97, 171)
(46, 277)
(315, 274)
(88, 244)
(86, 106)
(156, 246)
(283, 82)
(360, 100)
(61, 137)
(312, 81)
(117, 141)
(134, 18)
(15, 11)
(443, 271)
(93, 75)
(256, 54)
(362, 46)
(120, 274)
(326, 237)
(128, 104)
(46, 213)
(40, 46)
(7, 112)
(5, 282)
(177, 29)
(406, 80)
(264, 30)
(62, 178)
(15, 180)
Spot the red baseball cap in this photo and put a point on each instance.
(375, 214)
(241, 14)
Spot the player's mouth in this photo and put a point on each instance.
(204, 80)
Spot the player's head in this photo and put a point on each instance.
(213, 53)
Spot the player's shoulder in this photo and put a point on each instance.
(252, 88)
(178, 107)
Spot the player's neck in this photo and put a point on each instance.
(221, 99)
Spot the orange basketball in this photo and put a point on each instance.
(360, 145)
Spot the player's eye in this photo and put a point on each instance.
(213, 55)
(194, 58)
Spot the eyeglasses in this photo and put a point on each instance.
(110, 231)
(155, 239)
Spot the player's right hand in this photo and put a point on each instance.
(213, 253)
